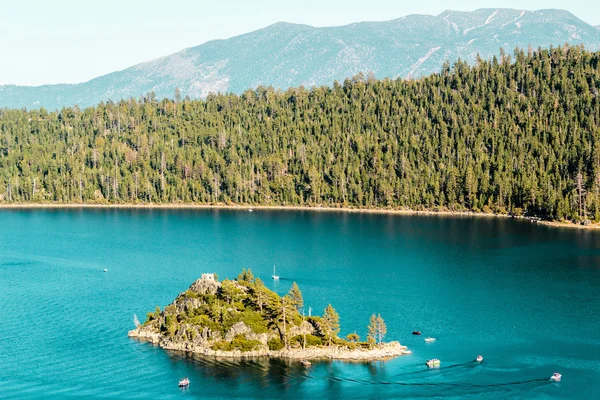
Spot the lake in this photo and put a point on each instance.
(526, 297)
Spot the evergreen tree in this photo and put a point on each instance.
(331, 323)
(377, 329)
(516, 135)
(246, 276)
(287, 312)
(258, 291)
(372, 330)
(296, 297)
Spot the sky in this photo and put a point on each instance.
(71, 41)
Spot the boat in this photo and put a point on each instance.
(416, 332)
(185, 382)
(250, 210)
(434, 362)
(556, 377)
(306, 363)
(430, 339)
(105, 269)
(275, 276)
(479, 359)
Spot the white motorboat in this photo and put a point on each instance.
(306, 363)
(434, 362)
(105, 269)
(185, 382)
(275, 276)
(430, 339)
(479, 359)
(556, 377)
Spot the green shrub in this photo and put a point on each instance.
(254, 320)
(208, 298)
(353, 337)
(238, 343)
(149, 318)
(275, 344)
(202, 321)
(221, 345)
(152, 315)
(241, 343)
(311, 340)
(170, 326)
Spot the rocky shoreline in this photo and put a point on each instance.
(377, 352)
(328, 208)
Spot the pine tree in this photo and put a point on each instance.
(503, 135)
(372, 330)
(246, 276)
(377, 329)
(331, 323)
(258, 291)
(296, 297)
(285, 317)
(381, 329)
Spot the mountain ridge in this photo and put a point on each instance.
(285, 54)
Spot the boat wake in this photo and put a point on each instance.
(451, 380)
(440, 370)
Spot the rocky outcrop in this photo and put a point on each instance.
(205, 286)
(377, 352)
(305, 328)
(238, 329)
(145, 335)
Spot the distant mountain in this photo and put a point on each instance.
(284, 55)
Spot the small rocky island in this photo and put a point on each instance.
(242, 318)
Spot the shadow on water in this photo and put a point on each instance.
(289, 376)
(260, 371)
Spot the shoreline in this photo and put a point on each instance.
(383, 351)
(226, 320)
(388, 211)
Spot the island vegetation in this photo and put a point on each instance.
(243, 318)
(518, 134)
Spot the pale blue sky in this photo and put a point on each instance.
(52, 41)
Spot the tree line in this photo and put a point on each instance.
(213, 314)
(514, 134)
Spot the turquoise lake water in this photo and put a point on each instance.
(526, 297)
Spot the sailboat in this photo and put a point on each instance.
(275, 276)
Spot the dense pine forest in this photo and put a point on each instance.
(516, 134)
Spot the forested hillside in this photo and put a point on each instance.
(518, 134)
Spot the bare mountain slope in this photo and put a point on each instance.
(284, 55)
